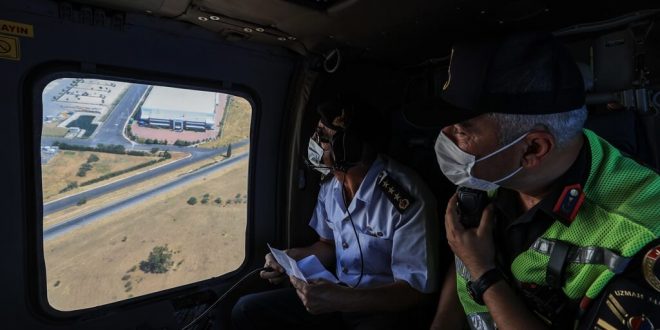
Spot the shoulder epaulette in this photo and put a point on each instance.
(400, 198)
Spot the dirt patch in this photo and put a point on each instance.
(93, 265)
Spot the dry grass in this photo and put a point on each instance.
(62, 169)
(91, 265)
(236, 123)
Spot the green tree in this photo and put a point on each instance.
(154, 150)
(159, 260)
(192, 201)
(92, 158)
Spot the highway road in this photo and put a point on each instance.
(196, 155)
(64, 227)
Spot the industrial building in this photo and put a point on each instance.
(179, 109)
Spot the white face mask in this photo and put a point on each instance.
(457, 164)
(315, 156)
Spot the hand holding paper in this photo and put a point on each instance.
(306, 269)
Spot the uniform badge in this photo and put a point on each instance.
(394, 192)
(569, 202)
(632, 322)
(625, 304)
(651, 268)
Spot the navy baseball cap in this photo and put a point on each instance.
(480, 70)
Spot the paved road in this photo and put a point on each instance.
(197, 155)
(64, 227)
(110, 131)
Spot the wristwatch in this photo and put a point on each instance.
(477, 288)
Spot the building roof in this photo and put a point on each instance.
(168, 99)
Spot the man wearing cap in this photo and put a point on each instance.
(571, 235)
(375, 220)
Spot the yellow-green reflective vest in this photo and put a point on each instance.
(620, 215)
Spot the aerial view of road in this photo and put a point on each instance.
(114, 207)
(110, 132)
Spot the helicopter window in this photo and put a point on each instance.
(144, 188)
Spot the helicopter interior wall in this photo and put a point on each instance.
(144, 49)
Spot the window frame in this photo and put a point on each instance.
(32, 121)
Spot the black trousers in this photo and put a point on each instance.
(282, 309)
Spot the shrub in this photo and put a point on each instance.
(192, 201)
(125, 277)
(84, 168)
(81, 202)
(92, 158)
(218, 201)
(70, 186)
(57, 283)
(159, 261)
(154, 150)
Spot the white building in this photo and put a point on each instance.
(179, 109)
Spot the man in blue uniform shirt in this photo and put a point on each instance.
(375, 221)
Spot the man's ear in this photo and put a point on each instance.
(539, 145)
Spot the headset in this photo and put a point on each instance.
(348, 150)
(347, 143)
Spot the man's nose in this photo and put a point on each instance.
(449, 132)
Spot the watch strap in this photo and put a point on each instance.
(477, 288)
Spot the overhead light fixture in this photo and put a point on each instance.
(259, 29)
(248, 30)
(214, 18)
(202, 18)
(281, 38)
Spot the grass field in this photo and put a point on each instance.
(62, 170)
(51, 129)
(236, 123)
(99, 262)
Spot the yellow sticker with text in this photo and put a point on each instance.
(10, 48)
(16, 29)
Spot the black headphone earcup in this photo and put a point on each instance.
(347, 149)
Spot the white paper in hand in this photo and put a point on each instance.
(289, 265)
(313, 270)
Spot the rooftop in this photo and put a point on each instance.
(181, 100)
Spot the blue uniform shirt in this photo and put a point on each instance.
(395, 246)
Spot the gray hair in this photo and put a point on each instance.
(564, 126)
